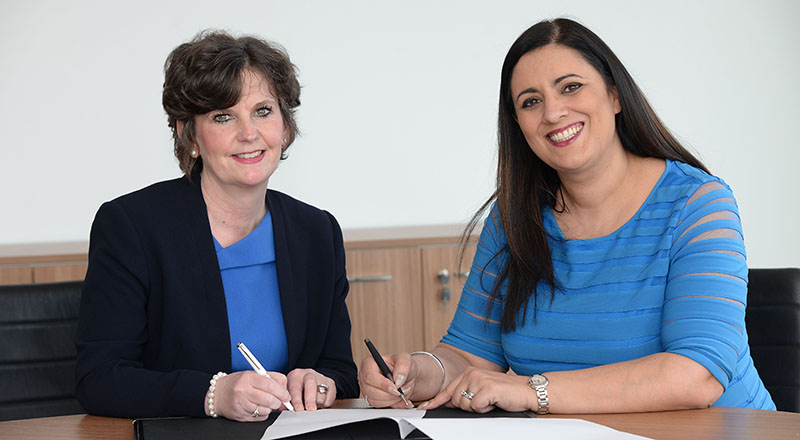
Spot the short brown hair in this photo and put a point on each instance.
(205, 74)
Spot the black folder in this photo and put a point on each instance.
(223, 429)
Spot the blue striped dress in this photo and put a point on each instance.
(672, 279)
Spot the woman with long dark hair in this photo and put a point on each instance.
(610, 274)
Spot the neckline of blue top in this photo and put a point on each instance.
(552, 227)
(257, 247)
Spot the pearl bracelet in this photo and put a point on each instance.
(441, 365)
(211, 390)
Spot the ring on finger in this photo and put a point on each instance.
(322, 388)
(255, 413)
(468, 394)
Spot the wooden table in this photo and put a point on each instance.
(712, 423)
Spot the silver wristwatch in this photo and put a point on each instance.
(539, 384)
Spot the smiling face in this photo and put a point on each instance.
(241, 145)
(565, 109)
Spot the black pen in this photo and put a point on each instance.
(384, 368)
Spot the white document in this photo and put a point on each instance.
(289, 424)
(518, 428)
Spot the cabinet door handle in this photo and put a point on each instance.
(369, 279)
(444, 278)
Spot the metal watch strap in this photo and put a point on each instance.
(544, 401)
(539, 383)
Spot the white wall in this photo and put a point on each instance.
(399, 102)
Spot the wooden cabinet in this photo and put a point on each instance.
(16, 274)
(42, 272)
(384, 301)
(437, 286)
(59, 272)
(43, 263)
(396, 294)
(48, 272)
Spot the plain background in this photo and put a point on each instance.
(398, 106)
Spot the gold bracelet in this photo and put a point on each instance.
(441, 365)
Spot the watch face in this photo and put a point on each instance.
(537, 380)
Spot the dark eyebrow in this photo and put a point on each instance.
(528, 90)
(557, 80)
(266, 103)
(563, 77)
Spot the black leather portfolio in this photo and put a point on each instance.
(223, 429)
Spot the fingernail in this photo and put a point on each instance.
(424, 405)
(393, 391)
(399, 380)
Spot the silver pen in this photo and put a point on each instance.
(258, 368)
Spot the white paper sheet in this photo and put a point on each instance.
(518, 428)
(289, 424)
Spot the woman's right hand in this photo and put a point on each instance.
(238, 395)
(379, 391)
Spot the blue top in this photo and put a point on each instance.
(672, 279)
(250, 281)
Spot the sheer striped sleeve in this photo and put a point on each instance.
(471, 330)
(706, 292)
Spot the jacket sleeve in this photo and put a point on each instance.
(336, 358)
(112, 331)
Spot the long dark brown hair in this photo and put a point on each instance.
(525, 185)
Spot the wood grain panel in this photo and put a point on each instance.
(81, 426)
(60, 272)
(16, 275)
(439, 313)
(387, 312)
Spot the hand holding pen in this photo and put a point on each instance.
(251, 359)
(385, 369)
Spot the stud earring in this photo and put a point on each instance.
(194, 154)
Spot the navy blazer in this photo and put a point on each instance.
(153, 325)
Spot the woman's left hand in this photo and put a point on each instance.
(488, 389)
(310, 390)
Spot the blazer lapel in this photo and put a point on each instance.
(293, 302)
(209, 281)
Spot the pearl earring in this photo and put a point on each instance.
(194, 153)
